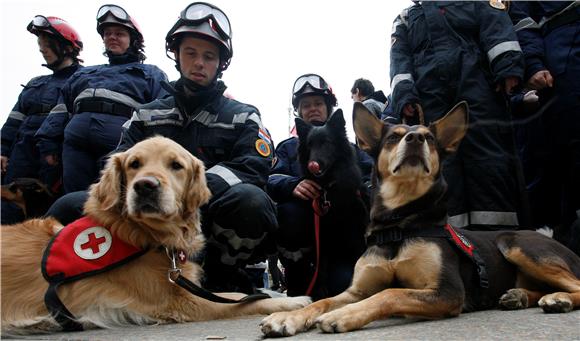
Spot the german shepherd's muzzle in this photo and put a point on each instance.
(416, 265)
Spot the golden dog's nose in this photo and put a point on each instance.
(146, 185)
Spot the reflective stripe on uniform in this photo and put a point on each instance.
(526, 23)
(484, 218)
(16, 115)
(58, 109)
(293, 255)
(225, 256)
(500, 48)
(235, 241)
(108, 94)
(399, 78)
(227, 175)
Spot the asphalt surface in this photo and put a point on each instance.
(529, 324)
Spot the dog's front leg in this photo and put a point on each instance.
(290, 323)
(402, 302)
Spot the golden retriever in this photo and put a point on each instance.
(149, 197)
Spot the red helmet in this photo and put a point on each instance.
(56, 27)
(113, 14)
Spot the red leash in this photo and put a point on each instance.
(319, 210)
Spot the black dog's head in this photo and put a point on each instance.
(323, 148)
(408, 159)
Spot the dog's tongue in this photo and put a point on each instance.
(314, 167)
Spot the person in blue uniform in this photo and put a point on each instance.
(444, 52)
(60, 46)
(96, 101)
(549, 33)
(227, 135)
(341, 243)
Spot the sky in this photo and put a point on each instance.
(274, 42)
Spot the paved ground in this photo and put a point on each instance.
(530, 324)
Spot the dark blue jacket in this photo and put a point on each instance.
(287, 173)
(39, 96)
(227, 135)
(437, 45)
(544, 47)
(130, 84)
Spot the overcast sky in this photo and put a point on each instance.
(274, 42)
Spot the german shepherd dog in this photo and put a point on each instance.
(329, 159)
(407, 270)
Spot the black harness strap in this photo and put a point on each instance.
(397, 234)
(59, 311)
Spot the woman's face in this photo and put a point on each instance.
(116, 39)
(44, 46)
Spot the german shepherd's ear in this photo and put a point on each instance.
(451, 128)
(367, 128)
(302, 128)
(108, 191)
(336, 121)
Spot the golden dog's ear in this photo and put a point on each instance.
(367, 128)
(197, 193)
(451, 128)
(109, 190)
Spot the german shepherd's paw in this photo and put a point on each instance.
(514, 299)
(558, 302)
(341, 321)
(286, 323)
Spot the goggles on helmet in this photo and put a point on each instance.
(115, 10)
(315, 81)
(199, 12)
(41, 23)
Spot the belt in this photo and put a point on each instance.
(104, 107)
(568, 17)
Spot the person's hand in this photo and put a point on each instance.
(540, 80)
(52, 160)
(508, 85)
(3, 163)
(307, 190)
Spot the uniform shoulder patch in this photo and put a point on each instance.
(498, 4)
(263, 148)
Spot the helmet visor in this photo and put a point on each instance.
(315, 81)
(40, 22)
(118, 12)
(199, 12)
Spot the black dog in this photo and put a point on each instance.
(328, 158)
(416, 264)
(30, 195)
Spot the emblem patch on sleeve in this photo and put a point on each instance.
(498, 4)
(263, 147)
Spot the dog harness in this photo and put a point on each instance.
(81, 249)
(85, 248)
(396, 234)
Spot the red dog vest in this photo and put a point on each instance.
(81, 249)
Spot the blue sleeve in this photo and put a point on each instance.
(499, 41)
(529, 35)
(158, 76)
(402, 70)
(281, 181)
(11, 127)
(50, 135)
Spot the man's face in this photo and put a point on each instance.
(199, 60)
(116, 39)
(45, 49)
(313, 109)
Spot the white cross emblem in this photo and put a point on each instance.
(93, 243)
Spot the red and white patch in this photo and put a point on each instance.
(93, 243)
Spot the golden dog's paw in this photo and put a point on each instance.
(514, 299)
(339, 321)
(558, 302)
(279, 304)
(285, 323)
